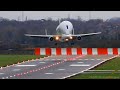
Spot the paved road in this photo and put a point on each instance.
(53, 67)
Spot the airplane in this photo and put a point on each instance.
(64, 33)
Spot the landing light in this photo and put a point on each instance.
(66, 39)
(71, 37)
(57, 38)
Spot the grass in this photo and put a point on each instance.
(12, 59)
(113, 64)
(97, 76)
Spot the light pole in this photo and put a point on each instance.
(89, 15)
(22, 15)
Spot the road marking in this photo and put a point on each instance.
(92, 59)
(98, 59)
(48, 73)
(37, 69)
(61, 69)
(89, 68)
(11, 76)
(80, 65)
(86, 59)
(79, 62)
(25, 65)
(80, 59)
(16, 70)
(42, 62)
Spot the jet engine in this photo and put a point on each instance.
(78, 38)
(51, 38)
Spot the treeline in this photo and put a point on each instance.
(12, 33)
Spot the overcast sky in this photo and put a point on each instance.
(35, 15)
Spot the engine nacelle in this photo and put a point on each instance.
(51, 39)
(78, 38)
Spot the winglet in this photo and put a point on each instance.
(99, 32)
(26, 34)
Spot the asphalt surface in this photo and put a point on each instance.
(53, 67)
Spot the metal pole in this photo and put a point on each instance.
(89, 15)
(22, 15)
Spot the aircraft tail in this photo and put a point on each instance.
(46, 32)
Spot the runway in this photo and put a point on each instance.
(53, 67)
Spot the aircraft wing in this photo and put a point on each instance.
(39, 36)
(83, 35)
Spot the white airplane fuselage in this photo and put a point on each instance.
(64, 28)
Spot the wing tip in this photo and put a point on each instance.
(26, 34)
(99, 32)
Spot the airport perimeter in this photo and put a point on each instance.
(65, 65)
(53, 67)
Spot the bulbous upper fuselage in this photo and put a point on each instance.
(64, 27)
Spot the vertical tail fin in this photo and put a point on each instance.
(46, 32)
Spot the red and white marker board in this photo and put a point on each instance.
(77, 51)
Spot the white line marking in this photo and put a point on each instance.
(16, 70)
(53, 59)
(61, 69)
(90, 67)
(24, 65)
(11, 76)
(80, 62)
(92, 59)
(42, 62)
(99, 70)
(79, 59)
(86, 59)
(98, 59)
(80, 65)
(48, 73)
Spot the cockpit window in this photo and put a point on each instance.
(67, 26)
